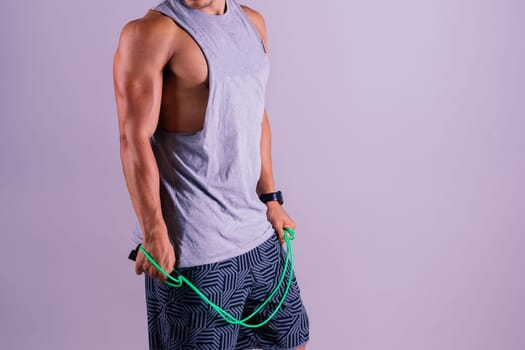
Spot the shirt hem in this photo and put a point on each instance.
(232, 253)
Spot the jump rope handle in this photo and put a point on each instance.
(133, 254)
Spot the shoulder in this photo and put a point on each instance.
(154, 29)
(256, 17)
(259, 23)
(149, 42)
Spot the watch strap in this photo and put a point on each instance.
(272, 196)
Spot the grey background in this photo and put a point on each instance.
(397, 141)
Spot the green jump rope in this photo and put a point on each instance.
(179, 280)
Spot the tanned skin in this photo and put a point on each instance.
(160, 78)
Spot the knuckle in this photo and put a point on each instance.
(160, 277)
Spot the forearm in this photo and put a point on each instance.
(266, 182)
(142, 179)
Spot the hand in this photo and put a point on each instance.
(279, 218)
(161, 250)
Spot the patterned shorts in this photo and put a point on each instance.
(179, 319)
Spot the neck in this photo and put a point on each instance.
(213, 7)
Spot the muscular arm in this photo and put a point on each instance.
(144, 49)
(275, 213)
(266, 183)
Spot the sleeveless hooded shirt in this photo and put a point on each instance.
(208, 178)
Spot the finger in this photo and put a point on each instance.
(138, 263)
(151, 272)
(157, 273)
(171, 265)
(171, 269)
(161, 276)
(149, 268)
(286, 232)
(279, 230)
(154, 272)
(280, 235)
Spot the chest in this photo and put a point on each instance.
(197, 57)
(188, 63)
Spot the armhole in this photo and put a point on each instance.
(248, 19)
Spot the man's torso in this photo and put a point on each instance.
(209, 169)
(185, 77)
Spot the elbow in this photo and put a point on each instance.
(132, 140)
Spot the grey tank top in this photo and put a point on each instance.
(208, 178)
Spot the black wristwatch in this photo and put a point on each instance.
(272, 196)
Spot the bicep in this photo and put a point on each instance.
(137, 75)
